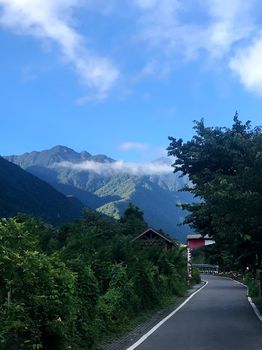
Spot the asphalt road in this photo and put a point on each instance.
(219, 317)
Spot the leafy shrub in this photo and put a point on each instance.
(195, 276)
(67, 288)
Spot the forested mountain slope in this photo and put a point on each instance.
(21, 192)
(87, 177)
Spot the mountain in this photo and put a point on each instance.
(108, 186)
(22, 192)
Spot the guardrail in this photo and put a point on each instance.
(207, 268)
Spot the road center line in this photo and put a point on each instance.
(152, 330)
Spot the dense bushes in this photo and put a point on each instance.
(254, 291)
(37, 294)
(195, 276)
(64, 289)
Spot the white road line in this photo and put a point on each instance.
(152, 330)
(250, 301)
(242, 284)
(255, 309)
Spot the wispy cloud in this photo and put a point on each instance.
(52, 19)
(155, 168)
(231, 22)
(130, 146)
(169, 24)
(225, 32)
(247, 65)
(171, 31)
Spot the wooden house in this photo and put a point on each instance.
(152, 237)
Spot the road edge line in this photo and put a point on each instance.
(254, 308)
(253, 305)
(159, 324)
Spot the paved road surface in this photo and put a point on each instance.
(219, 317)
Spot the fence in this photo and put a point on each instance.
(206, 268)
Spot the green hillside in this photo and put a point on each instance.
(21, 192)
(110, 193)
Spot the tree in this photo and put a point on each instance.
(37, 295)
(224, 167)
(133, 220)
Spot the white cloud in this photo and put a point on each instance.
(155, 168)
(130, 146)
(247, 65)
(168, 29)
(52, 19)
(173, 25)
(211, 29)
(231, 21)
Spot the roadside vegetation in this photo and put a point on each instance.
(224, 166)
(68, 288)
(254, 290)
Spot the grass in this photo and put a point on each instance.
(139, 319)
(154, 313)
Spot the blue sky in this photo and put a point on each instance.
(120, 76)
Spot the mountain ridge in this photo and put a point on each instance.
(109, 193)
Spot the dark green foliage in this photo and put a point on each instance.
(25, 193)
(37, 293)
(133, 220)
(253, 285)
(195, 276)
(67, 288)
(132, 212)
(254, 289)
(224, 166)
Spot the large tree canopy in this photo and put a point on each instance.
(225, 167)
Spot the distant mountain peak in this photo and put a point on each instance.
(54, 155)
(85, 155)
(62, 149)
(102, 158)
(107, 185)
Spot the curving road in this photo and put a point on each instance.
(219, 317)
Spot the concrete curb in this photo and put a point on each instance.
(253, 305)
(255, 308)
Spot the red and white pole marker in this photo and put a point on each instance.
(195, 241)
(189, 263)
